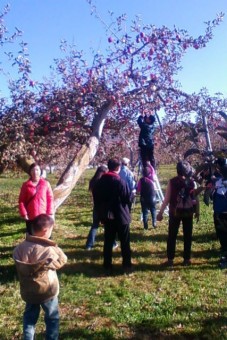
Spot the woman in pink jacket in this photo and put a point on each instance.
(36, 197)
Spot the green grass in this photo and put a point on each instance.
(153, 303)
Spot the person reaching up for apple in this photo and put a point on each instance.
(146, 141)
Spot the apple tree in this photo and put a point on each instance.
(66, 116)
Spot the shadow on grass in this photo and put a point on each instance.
(13, 232)
(82, 334)
(7, 274)
(82, 224)
(8, 216)
(6, 252)
(94, 270)
(10, 220)
(211, 328)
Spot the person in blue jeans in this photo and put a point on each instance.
(102, 169)
(37, 258)
(147, 192)
(127, 175)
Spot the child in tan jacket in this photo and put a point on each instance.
(37, 258)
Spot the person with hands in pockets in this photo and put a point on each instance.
(36, 197)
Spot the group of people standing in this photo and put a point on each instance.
(113, 189)
(112, 205)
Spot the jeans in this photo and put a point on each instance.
(93, 231)
(145, 211)
(174, 224)
(221, 235)
(111, 229)
(31, 315)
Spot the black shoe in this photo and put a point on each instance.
(145, 226)
(108, 271)
(187, 263)
(168, 263)
(128, 270)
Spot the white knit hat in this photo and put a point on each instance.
(125, 160)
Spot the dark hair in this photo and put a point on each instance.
(149, 119)
(41, 222)
(32, 166)
(223, 171)
(98, 174)
(113, 164)
(221, 161)
(184, 169)
(146, 171)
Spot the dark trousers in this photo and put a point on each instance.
(174, 224)
(28, 226)
(221, 235)
(111, 229)
(147, 154)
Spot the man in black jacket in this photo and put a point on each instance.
(112, 200)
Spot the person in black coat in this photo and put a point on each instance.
(146, 141)
(112, 201)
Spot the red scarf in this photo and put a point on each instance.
(111, 173)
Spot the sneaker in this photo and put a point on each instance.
(187, 263)
(115, 246)
(223, 265)
(88, 248)
(223, 259)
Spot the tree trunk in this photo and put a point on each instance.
(207, 135)
(24, 162)
(74, 170)
(80, 162)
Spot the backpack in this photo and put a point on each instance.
(220, 204)
(185, 203)
(220, 196)
(147, 193)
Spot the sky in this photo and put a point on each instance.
(46, 22)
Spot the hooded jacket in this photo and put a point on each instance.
(36, 199)
(37, 260)
(146, 131)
